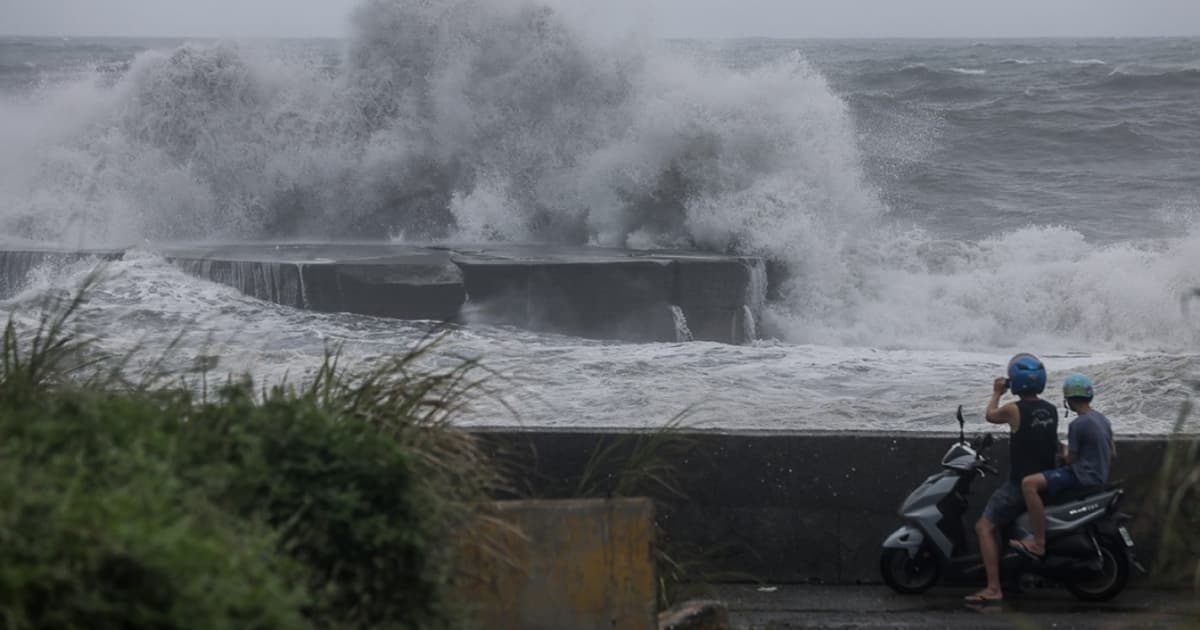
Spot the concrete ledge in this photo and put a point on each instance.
(379, 280)
(582, 291)
(585, 564)
(793, 507)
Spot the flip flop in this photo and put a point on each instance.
(980, 599)
(1019, 546)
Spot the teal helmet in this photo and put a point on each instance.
(1078, 386)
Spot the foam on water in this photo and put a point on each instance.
(550, 380)
(1035, 287)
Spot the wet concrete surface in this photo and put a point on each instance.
(802, 606)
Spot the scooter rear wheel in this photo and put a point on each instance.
(1114, 573)
(909, 574)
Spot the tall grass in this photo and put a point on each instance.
(1175, 500)
(136, 501)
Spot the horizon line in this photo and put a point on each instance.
(664, 37)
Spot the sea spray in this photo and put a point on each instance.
(485, 119)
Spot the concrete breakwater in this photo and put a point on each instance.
(587, 292)
(786, 507)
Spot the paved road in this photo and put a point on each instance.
(791, 606)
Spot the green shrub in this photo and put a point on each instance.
(97, 532)
(343, 499)
(328, 504)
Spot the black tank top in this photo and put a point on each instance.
(1033, 447)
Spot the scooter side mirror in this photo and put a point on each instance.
(959, 415)
(962, 437)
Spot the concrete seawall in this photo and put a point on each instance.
(582, 291)
(787, 507)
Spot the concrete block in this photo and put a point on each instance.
(722, 325)
(581, 564)
(710, 282)
(715, 294)
(377, 289)
(627, 299)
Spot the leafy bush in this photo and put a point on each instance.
(324, 504)
(98, 531)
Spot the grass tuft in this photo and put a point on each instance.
(1176, 499)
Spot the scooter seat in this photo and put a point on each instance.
(1080, 493)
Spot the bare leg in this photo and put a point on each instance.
(1030, 486)
(990, 555)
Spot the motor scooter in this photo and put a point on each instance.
(1088, 546)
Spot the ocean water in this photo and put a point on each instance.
(938, 205)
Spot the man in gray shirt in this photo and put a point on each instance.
(1088, 455)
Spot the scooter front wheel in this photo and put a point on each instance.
(909, 574)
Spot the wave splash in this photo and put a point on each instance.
(1036, 287)
(452, 118)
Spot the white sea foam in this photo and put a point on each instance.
(550, 380)
(1043, 287)
(970, 71)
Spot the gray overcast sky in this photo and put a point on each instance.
(671, 18)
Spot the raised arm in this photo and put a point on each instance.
(998, 414)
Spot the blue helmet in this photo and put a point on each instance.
(1026, 375)
(1078, 386)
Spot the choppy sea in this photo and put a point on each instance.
(938, 205)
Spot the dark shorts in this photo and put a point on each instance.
(1060, 479)
(1006, 504)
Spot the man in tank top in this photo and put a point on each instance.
(1032, 449)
